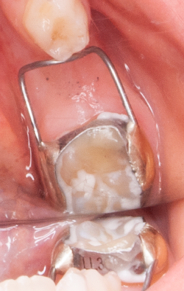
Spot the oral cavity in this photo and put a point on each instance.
(58, 27)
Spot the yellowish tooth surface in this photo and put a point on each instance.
(59, 27)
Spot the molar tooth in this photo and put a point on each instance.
(59, 27)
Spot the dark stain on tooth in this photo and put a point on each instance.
(59, 29)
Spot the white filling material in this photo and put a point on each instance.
(94, 172)
(112, 115)
(59, 27)
(116, 242)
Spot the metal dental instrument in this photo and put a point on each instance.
(66, 256)
(81, 259)
(138, 155)
(149, 276)
(85, 52)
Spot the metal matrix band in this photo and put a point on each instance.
(83, 259)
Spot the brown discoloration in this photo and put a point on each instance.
(59, 29)
(141, 157)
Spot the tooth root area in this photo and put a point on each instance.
(116, 242)
(72, 280)
(95, 174)
(59, 27)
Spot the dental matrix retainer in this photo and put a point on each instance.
(88, 192)
(126, 245)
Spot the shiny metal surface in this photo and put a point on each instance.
(98, 259)
(149, 276)
(139, 152)
(76, 56)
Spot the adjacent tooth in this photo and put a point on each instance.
(88, 280)
(36, 283)
(59, 27)
(72, 280)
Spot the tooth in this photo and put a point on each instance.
(88, 280)
(59, 27)
(36, 283)
(94, 172)
(73, 280)
(113, 281)
(95, 281)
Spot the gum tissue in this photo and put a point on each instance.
(58, 27)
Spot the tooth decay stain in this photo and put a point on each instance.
(59, 30)
(59, 27)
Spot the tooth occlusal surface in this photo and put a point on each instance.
(59, 27)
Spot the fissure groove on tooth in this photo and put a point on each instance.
(72, 280)
(59, 27)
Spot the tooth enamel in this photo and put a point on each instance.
(72, 280)
(36, 283)
(59, 27)
(88, 280)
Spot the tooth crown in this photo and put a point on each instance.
(59, 27)
(94, 172)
